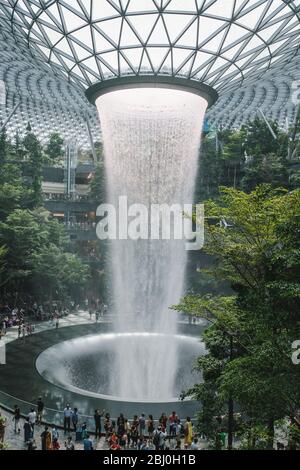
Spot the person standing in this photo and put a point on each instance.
(16, 418)
(188, 432)
(32, 418)
(75, 419)
(163, 422)
(127, 435)
(134, 431)
(46, 439)
(55, 444)
(28, 433)
(107, 426)
(55, 433)
(69, 444)
(150, 426)
(142, 425)
(173, 419)
(159, 438)
(67, 418)
(97, 418)
(87, 443)
(121, 425)
(40, 409)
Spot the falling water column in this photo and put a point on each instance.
(151, 144)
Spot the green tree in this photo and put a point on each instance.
(55, 148)
(37, 260)
(97, 191)
(34, 154)
(259, 256)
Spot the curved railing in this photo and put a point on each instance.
(50, 415)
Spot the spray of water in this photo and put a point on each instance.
(151, 144)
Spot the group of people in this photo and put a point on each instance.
(24, 318)
(24, 328)
(140, 433)
(96, 307)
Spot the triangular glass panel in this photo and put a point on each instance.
(143, 25)
(253, 17)
(111, 28)
(134, 56)
(159, 35)
(157, 56)
(52, 35)
(84, 36)
(176, 26)
(81, 53)
(72, 20)
(145, 64)
(141, 5)
(209, 28)
(220, 9)
(128, 38)
(179, 5)
(100, 43)
(102, 9)
(124, 66)
(180, 56)
(111, 58)
(201, 61)
(190, 37)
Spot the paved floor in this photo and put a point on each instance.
(78, 318)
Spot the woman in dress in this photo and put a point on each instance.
(188, 432)
(46, 439)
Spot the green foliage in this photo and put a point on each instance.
(35, 256)
(55, 148)
(97, 191)
(34, 156)
(248, 157)
(250, 334)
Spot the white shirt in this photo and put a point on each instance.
(32, 417)
(67, 412)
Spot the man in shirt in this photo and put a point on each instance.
(67, 418)
(87, 443)
(173, 419)
(32, 419)
(142, 425)
(159, 438)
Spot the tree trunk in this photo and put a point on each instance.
(230, 423)
(271, 433)
(230, 405)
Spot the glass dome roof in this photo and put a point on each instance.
(222, 43)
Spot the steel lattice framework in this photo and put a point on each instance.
(218, 42)
(238, 47)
